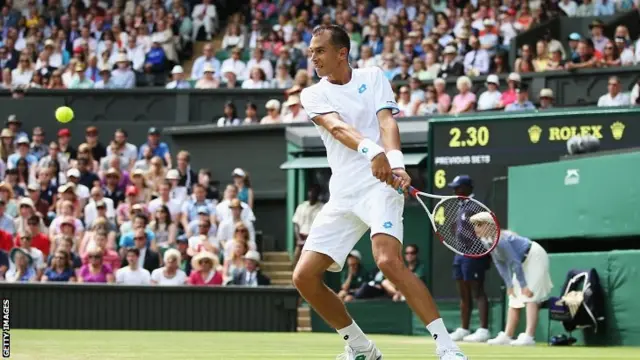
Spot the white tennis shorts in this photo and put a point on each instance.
(342, 222)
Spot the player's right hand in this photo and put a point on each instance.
(381, 169)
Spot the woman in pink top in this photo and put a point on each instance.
(510, 96)
(465, 101)
(96, 271)
(443, 99)
(205, 270)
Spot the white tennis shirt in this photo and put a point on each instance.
(357, 103)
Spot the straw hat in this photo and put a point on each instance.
(202, 255)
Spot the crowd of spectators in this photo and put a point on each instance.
(119, 213)
(78, 44)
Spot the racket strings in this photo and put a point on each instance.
(453, 226)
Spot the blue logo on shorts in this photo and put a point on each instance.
(387, 225)
(362, 88)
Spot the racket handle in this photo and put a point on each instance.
(411, 190)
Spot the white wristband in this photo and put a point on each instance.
(369, 149)
(396, 159)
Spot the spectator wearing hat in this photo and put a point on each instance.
(490, 99)
(243, 183)
(38, 148)
(295, 114)
(574, 40)
(614, 96)
(96, 200)
(476, 61)
(353, 277)
(205, 270)
(170, 274)
(80, 80)
(179, 81)
(111, 188)
(123, 77)
(251, 275)
(64, 145)
(22, 269)
(22, 152)
(144, 190)
(157, 147)
(24, 241)
(450, 66)
(15, 125)
(207, 62)
(555, 62)
(26, 210)
(546, 99)
(82, 191)
(7, 147)
(510, 95)
(203, 214)
(132, 274)
(106, 80)
(587, 8)
(522, 102)
(223, 209)
(124, 209)
(208, 80)
(40, 205)
(273, 113)
(469, 273)
(178, 193)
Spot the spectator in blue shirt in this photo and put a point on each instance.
(605, 8)
(524, 267)
(123, 77)
(522, 103)
(22, 153)
(155, 60)
(192, 206)
(158, 148)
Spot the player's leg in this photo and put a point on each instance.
(333, 235)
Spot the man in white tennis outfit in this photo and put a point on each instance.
(352, 110)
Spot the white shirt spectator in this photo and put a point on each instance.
(82, 191)
(264, 64)
(489, 100)
(91, 42)
(253, 84)
(227, 229)
(305, 214)
(635, 93)
(626, 57)
(619, 100)
(209, 15)
(569, 7)
(301, 116)
(91, 213)
(130, 152)
(137, 56)
(509, 30)
(223, 211)
(370, 62)
(477, 59)
(198, 67)
(159, 278)
(19, 77)
(173, 205)
(235, 66)
(127, 276)
(196, 242)
(229, 41)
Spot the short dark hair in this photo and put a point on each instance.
(133, 251)
(415, 247)
(339, 37)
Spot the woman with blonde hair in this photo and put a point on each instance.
(542, 59)
(7, 147)
(466, 100)
(170, 274)
(524, 267)
(95, 271)
(7, 195)
(140, 182)
(84, 151)
(234, 264)
(205, 270)
(100, 225)
(22, 74)
(156, 173)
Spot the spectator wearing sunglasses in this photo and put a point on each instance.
(95, 271)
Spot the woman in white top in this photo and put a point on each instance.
(233, 38)
(366, 58)
(69, 73)
(257, 80)
(208, 81)
(490, 99)
(170, 274)
(22, 74)
(273, 112)
(283, 79)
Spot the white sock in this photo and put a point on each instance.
(441, 335)
(354, 336)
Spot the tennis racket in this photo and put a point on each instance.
(451, 222)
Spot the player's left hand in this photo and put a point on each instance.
(402, 180)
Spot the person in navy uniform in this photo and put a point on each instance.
(469, 273)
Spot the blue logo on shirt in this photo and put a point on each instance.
(387, 225)
(362, 88)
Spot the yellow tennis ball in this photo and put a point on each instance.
(64, 114)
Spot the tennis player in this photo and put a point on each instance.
(524, 266)
(352, 110)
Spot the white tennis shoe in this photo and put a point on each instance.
(450, 354)
(501, 339)
(523, 340)
(371, 353)
(479, 336)
(459, 334)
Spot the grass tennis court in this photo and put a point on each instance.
(71, 345)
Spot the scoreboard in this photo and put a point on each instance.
(483, 146)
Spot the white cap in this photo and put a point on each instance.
(482, 217)
(22, 140)
(122, 58)
(493, 79)
(73, 173)
(177, 70)
(238, 172)
(272, 104)
(252, 255)
(356, 254)
(546, 93)
(26, 201)
(514, 77)
(172, 174)
(450, 50)
(489, 22)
